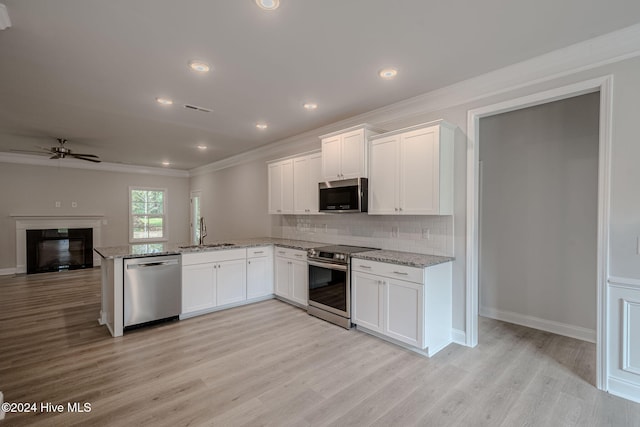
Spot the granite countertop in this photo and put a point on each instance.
(403, 258)
(155, 249)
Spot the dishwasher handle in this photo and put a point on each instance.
(152, 264)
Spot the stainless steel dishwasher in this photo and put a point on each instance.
(152, 289)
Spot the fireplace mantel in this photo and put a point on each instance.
(26, 222)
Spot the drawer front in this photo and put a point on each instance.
(260, 251)
(291, 253)
(213, 256)
(394, 271)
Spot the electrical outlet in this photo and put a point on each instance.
(74, 204)
(57, 204)
(394, 231)
(426, 234)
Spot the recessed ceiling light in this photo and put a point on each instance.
(388, 73)
(202, 147)
(164, 101)
(166, 164)
(268, 4)
(199, 66)
(261, 126)
(310, 105)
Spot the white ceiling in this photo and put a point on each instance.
(90, 70)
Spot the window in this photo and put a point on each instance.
(147, 214)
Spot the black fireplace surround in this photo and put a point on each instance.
(59, 249)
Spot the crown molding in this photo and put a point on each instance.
(599, 51)
(27, 159)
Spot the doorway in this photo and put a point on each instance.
(603, 86)
(538, 216)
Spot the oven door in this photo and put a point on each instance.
(329, 287)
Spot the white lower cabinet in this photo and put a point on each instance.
(198, 287)
(407, 304)
(367, 291)
(259, 272)
(231, 279)
(291, 275)
(213, 278)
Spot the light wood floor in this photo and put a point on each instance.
(272, 364)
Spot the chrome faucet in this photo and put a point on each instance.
(203, 231)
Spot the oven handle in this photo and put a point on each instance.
(328, 265)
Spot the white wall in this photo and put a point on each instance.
(33, 190)
(539, 192)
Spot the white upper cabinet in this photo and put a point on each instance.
(344, 153)
(281, 187)
(293, 184)
(306, 176)
(412, 171)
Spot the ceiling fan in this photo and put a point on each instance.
(60, 152)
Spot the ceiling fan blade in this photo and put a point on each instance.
(82, 157)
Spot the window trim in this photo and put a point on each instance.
(165, 215)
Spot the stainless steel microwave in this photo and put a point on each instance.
(347, 195)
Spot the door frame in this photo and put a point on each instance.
(603, 85)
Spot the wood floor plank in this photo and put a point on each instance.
(271, 364)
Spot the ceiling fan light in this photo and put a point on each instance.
(261, 126)
(268, 4)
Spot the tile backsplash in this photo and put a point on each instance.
(422, 234)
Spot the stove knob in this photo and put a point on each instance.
(312, 252)
(340, 256)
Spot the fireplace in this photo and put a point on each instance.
(59, 249)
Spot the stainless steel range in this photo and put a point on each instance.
(330, 283)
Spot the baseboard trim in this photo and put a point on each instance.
(7, 271)
(564, 329)
(459, 337)
(624, 389)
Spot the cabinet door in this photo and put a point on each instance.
(275, 188)
(299, 282)
(353, 160)
(259, 277)
(404, 311)
(367, 305)
(383, 176)
(301, 196)
(315, 177)
(231, 281)
(287, 186)
(331, 158)
(419, 174)
(282, 277)
(198, 287)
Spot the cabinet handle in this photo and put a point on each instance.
(401, 273)
(400, 209)
(365, 266)
(298, 255)
(281, 252)
(248, 262)
(258, 252)
(396, 209)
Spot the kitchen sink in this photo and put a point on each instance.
(208, 245)
(218, 245)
